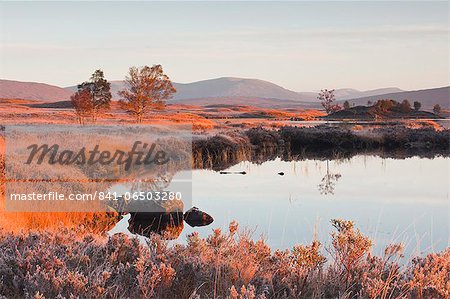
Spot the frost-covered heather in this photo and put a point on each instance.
(66, 264)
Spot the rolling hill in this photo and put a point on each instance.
(231, 88)
(348, 93)
(247, 101)
(219, 88)
(428, 97)
(236, 91)
(10, 89)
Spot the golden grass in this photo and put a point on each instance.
(17, 111)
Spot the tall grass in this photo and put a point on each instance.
(322, 142)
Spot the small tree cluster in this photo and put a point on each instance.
(146, 88)
(92, 97)
(391, 105)
(405, 106)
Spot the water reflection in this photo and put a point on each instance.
(167, 224)
(390, 200)
(399, 200)
(328, 182)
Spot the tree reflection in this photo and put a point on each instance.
(328, 183)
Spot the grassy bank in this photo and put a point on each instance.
(229, 264)
(321, 142)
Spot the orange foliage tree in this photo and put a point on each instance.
(81, 102)
(146, 88)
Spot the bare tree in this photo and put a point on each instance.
(100, 94)
(81, 102)
(146, 88)
(327, 98)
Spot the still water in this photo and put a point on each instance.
(390, 200)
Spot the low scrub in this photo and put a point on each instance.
(219, 151)
(66, 264)
(320, 142)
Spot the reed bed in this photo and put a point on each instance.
(321, 142)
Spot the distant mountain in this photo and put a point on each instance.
(32, 91)
(427, 97)
(348, 93)
(246, 101)
(235, 91)
(233, 87)
(221, 87)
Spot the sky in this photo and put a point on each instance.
(302, 46)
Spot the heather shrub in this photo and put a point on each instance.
(349, 248)
(430, 276)
(223, 260)
(355, 273)
(298, 272)
(68, 264)
(383, 277)
(65, 265)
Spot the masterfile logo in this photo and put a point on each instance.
(96, 168)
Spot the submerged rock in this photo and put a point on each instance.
(164, 217)
(233, 172)
(195, 217)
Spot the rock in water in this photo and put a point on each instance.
(168, 225)
(233, 172)
(195, 217)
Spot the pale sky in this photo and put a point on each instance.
(301, 46)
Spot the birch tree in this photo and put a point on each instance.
(147, 88)
(81, 102)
